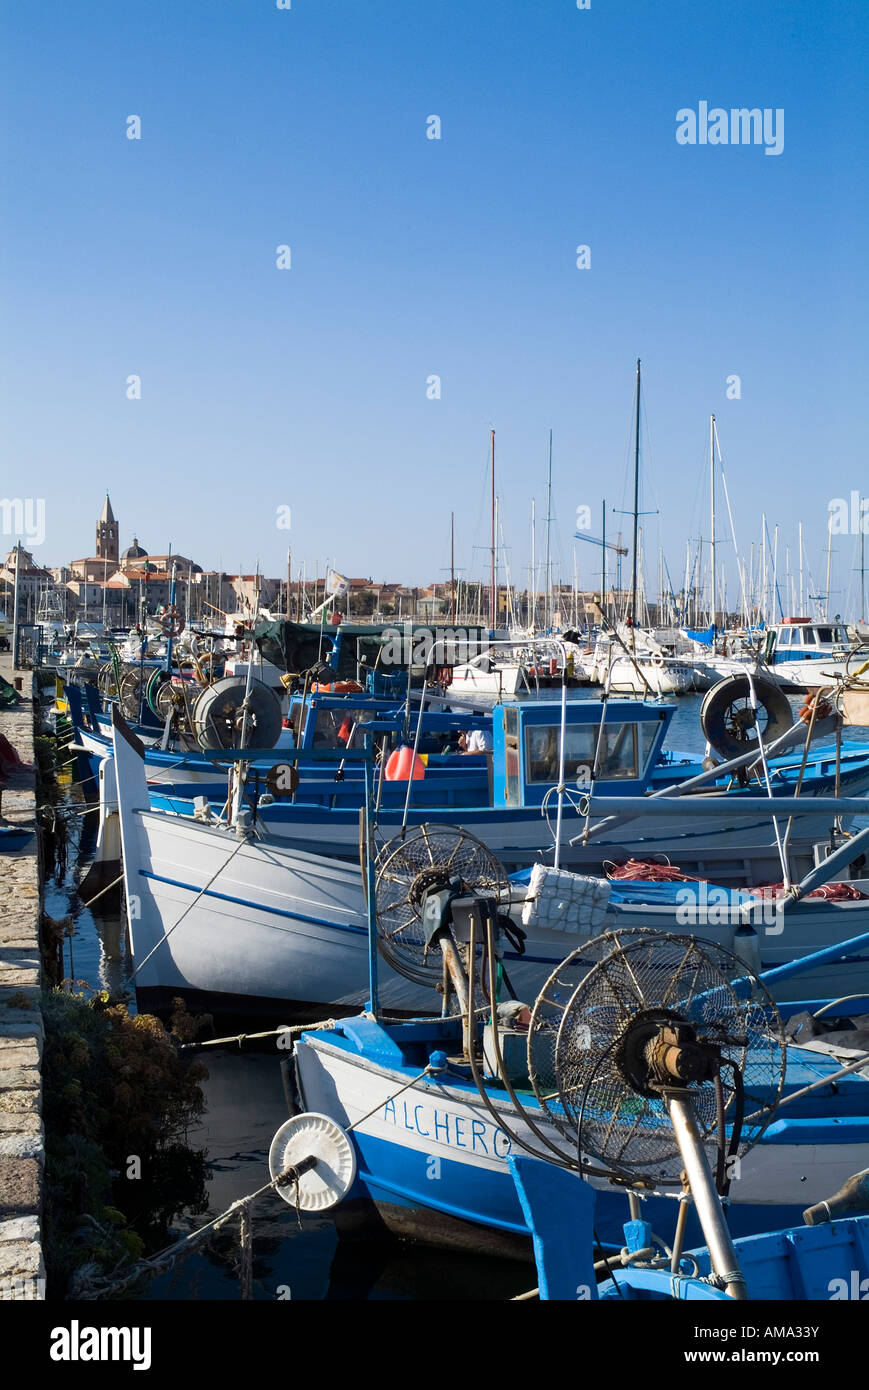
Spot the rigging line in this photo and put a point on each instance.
(204, 889)
(739, 567)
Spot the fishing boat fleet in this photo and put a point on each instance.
(566, 967)
(545, 983)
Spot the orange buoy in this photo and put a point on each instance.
(400, 763)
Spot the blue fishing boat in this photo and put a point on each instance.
(617, 1078)
(615, 767)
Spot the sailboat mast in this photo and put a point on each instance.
(548, 532)
(829, 559)
(712, 519)
(453, 568)
(862, 514)
(636, 512)
(532, 616)
(603, 575)
(492, 596)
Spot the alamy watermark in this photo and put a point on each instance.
(853, 1288)
(704, 904)
(423, 646)
(738, 126)
(23, 516)
(849, 516)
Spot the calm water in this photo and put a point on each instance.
(245, 1106)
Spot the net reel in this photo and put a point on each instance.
(427, 883)
(131, 692)
(660, 1061)
(219, 714)
(733, 723)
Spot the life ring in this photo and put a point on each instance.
(171, 622)
(657, 659)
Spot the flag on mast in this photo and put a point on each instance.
(337, 584)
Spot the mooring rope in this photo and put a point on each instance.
(88, 1284)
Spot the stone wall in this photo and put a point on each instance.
(22, 1274)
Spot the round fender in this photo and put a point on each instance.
(729, 723)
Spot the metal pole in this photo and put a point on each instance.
(636, 513)
(370, 884)
(453, 568)
(603, 575)
(532, 617)
(15, 632)
(719, 1242)
(493, 596)
(548, 532)
(712, 486)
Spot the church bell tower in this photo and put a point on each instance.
(107, 534)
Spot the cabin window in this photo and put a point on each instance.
(334, 725)
(623, 752)
(511, 757)
(785, 637)
(617, 752)
(647, 732)
(824, 634)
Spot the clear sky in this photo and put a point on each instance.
(412, 257)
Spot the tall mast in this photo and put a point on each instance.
(453, 568)
(862, 560)
(829, 558)
(636, 512)
(603, 575)
(548, 528)
(862, 517)
(801, 608)
(492, 595)
(532, 617)
(712, 489)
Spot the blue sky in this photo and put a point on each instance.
(412, 257)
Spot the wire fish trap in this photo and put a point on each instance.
(429, 858)
(603, 1010)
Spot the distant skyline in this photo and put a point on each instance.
(149, 267)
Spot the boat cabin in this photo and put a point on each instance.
(338, 721)
(801, 639)
(618, 756)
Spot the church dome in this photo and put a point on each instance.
(134, 552)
